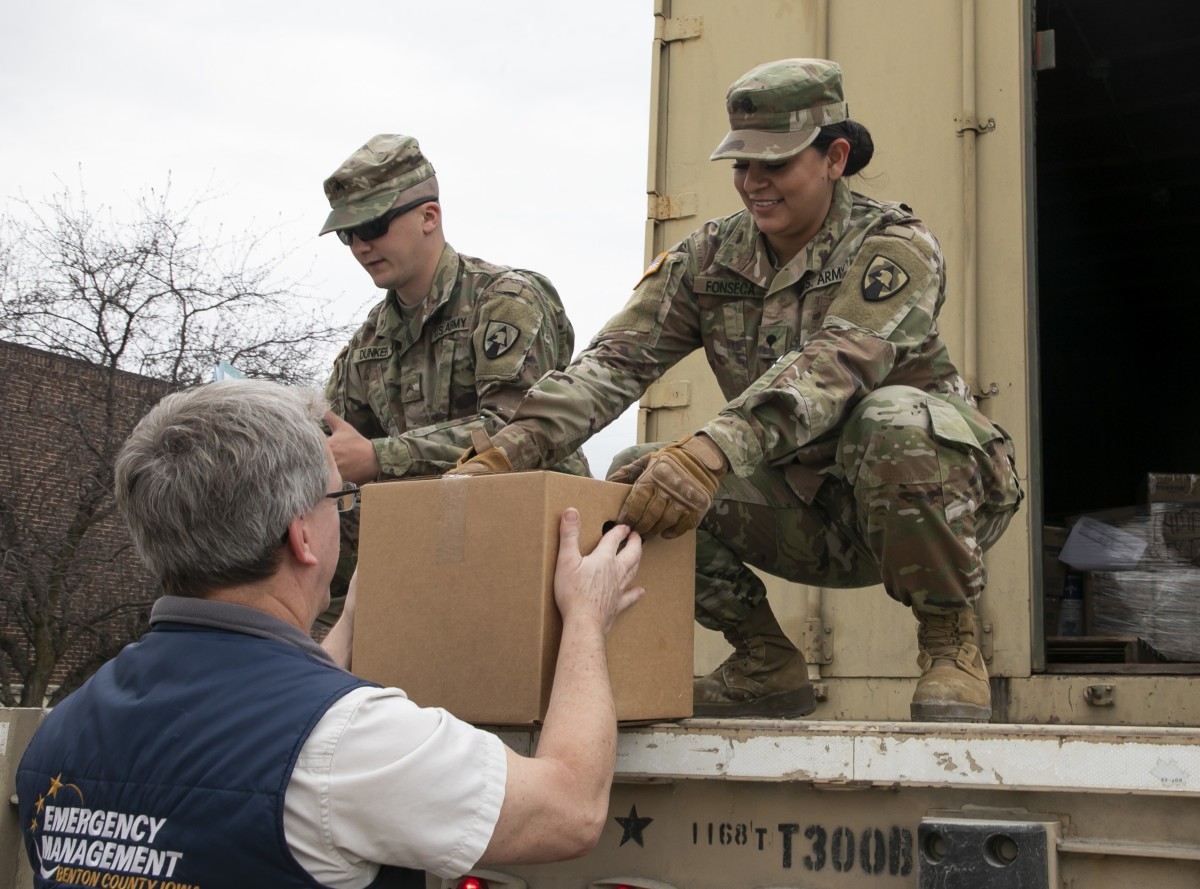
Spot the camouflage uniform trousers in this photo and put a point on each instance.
(898, 506)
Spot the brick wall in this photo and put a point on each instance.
(62, 421)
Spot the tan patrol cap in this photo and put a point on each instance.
(776, 110)
(386, 172)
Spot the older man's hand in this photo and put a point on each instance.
(599, 584)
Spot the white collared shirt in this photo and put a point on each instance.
(383, 781)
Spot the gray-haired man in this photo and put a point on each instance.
(225, 748)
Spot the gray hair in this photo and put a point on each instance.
(211, 477)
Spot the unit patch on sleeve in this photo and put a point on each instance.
(645, 311)
(883, 279)
(506, 331)
(499, 337)
(884, 269)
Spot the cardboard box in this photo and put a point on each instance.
(1054, 573)
(1151, 590)
(1160, 606)
(1162, 487)
(456, 600)
(1156, 535)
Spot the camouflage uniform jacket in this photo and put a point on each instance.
(793, 349)
(417, 384)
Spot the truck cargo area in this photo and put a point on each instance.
(1117, 136)
(1117, 148)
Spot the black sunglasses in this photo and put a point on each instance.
(377, 227)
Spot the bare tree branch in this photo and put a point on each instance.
(138, 306)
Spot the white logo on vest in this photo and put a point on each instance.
(81, 846)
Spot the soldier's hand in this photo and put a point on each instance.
(673, 488)
(354, 455)
(630, 472)
(482, 458)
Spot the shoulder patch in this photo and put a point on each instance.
(498, 338)
(884, 269)
(507, 330)
(643, 315)
(883, 279)
(653, 267)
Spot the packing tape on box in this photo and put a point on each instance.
(452, 520)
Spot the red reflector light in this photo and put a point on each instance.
(472, 883)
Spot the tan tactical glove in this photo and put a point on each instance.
(672, 487)
(482, 458)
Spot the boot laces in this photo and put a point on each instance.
(941, 635)
(743, 650)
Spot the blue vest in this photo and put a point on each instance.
(171, 764)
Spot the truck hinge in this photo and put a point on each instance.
(986, 638)
(991, 390)
(671, 206)
(964, 122)
(816, 641)
(667, 393)
(686, 27)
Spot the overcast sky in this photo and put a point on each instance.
(533, 112)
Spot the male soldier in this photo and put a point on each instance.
(850, 451)
(452, 346)
(225, 749)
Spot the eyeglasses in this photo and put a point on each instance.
(345, 499)
(378, 227)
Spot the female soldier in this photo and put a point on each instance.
(850, 451)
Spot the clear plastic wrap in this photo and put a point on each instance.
(1154, 595)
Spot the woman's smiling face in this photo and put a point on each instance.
(789, 199)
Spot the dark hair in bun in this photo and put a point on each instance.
(862, 147)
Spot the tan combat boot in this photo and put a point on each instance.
(765, 677)
(954, 683)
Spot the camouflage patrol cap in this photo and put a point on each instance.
(384, 173)
(776, 110)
